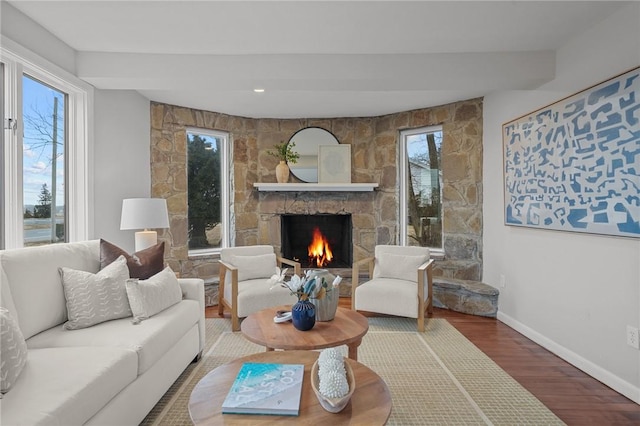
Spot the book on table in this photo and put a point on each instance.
(265, 388)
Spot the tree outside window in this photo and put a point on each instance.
(206, 189)
(42, 210)
(422, 180)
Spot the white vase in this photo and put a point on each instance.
(282, 172)
(326, 307)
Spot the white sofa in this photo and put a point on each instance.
(111, 373)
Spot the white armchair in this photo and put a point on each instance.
(400, 283)
(244, 287)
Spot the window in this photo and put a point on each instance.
(45, 148)
(43, 166)
(421, 187)
(208, 190)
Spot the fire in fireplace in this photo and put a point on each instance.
(317, 241)
(319, 250)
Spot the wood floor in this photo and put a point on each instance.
(572, 395)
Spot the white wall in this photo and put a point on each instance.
(572, 293)
(22, 29)
(121, 160)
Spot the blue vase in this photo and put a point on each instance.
(303, 315)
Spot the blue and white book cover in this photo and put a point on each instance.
(264, 388)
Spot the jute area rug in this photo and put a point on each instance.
(435, 378)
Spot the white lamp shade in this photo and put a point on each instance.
(144, 213)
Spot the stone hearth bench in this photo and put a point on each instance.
(468, 297)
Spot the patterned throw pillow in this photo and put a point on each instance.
(148, 297)
(142, 264)
(95, 298)
(13, 351)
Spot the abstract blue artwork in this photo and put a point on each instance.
(575, 165)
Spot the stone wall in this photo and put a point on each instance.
(374, 148)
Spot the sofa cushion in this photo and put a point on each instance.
(399, 262)
(6, 300)
(251, 267)
(148, 297)
(263, 265)
(399, 267)
(34, 271)
(151, 339)
(142, 264)
(255, 295)
(13, 351)
(374, 296)
(95, 298)
(67, 386)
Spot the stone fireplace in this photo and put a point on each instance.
(350, 213)
(317, 240)
(256, 215)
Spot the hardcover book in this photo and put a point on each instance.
(264, 388)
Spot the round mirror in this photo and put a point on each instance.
(307, 141)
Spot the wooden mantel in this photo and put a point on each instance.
(318, 187)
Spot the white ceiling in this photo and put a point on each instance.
(315, 58)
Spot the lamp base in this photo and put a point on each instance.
(146, 239)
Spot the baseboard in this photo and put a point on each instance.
(614, 382)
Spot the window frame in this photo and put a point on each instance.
(403, 178)
(18, 61)
(225, 205)
(5, 128)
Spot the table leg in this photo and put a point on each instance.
(353, 350)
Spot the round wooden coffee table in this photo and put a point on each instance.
(347, 328)
(370, 403)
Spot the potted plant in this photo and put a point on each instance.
(286, 154)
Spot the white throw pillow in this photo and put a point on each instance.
(13, 351)
(398, 266)
(148, 297)
(95, 298)
(251, 267)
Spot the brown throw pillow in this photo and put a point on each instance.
(142, 264)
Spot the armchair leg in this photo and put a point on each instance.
(430, 290)
(220, 297)
(235, 323)
(421, 323)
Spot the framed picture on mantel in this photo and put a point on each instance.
(334, 163)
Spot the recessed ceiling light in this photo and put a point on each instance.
(258, 90)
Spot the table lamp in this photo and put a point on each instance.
(144, 213)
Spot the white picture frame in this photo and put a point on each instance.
(334, 163)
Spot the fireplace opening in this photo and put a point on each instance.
(318, 240)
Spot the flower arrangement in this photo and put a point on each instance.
(306, 286)
(284, 152)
